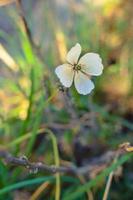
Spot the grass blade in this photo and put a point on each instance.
(94, 182)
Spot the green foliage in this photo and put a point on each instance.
(34, 117)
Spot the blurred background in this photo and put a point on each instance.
(32, 101)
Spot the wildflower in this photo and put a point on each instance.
(79, 70)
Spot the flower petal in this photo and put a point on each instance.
(73, 54)
(65, 73)
(91, 64)
(82, 83)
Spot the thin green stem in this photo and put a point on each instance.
(35, 127)
(37, 121)
(29, 111)
(80, 190)
(28, 135)
(31, 97)
(57, 163)
(55, 150)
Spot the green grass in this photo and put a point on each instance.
(34, 118)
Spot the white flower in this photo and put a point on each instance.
(79, 70)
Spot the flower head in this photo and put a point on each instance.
(80, 70)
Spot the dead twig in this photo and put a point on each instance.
(34, 167)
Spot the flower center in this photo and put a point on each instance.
(76, 67)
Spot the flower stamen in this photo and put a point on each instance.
(76, 67)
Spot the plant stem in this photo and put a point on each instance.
(108, 185)
(31, 97)
(110, 178)
(57, 163)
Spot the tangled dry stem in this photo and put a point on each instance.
(96, 165)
